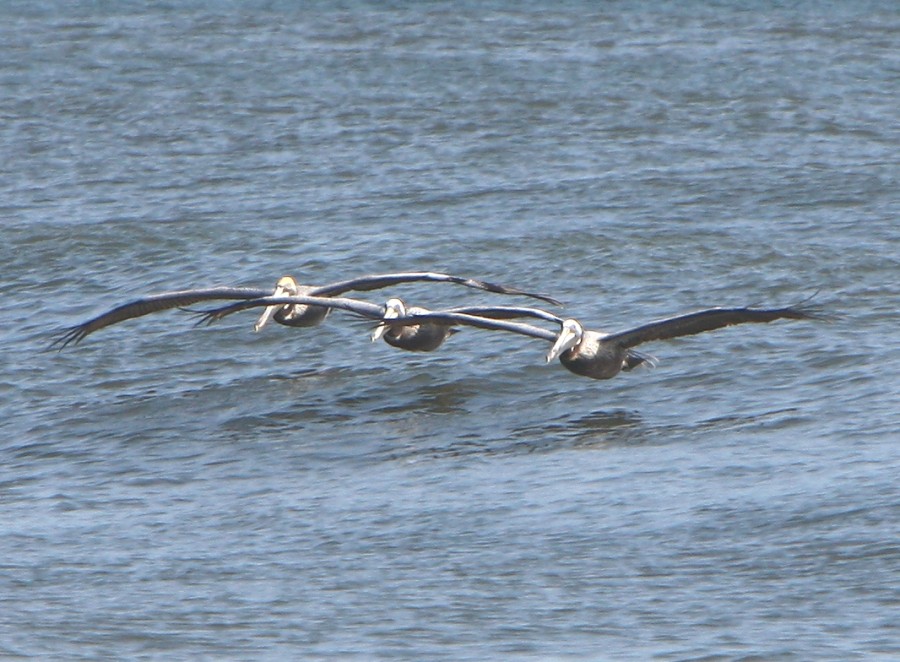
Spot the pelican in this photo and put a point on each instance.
(294, 314)
(601, 355)
(428, 335)
(424, 336)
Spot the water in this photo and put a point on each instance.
(171, 493)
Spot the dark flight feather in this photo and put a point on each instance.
(151, 304)
(708, 320)
(377, 282)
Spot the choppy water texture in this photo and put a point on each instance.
(179, 493)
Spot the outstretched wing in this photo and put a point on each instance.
(506, 313)
(380, 281)
(709, 320)
(363, 308)
(456, 318)
(152, 304)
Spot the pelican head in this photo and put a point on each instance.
(286, 286)
(393, 308)
(570, 335)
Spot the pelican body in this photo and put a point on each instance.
(589, 354)
(424, 337)
(298, 314)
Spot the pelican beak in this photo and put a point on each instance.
(379, 331)
(270, 310)
(568, 338)
(393, 309)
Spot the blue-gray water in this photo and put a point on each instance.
(178, 493)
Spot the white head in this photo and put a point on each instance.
(393, 308)
(286, 286)
(570, 335)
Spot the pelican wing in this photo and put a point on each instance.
(380, 281)
(362, 308)
(152, 304)
(708, 320)
(506, 312)
(463, 319)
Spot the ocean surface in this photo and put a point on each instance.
(170, 492)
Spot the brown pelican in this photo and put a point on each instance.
(603, 355)
(425, 336)
(294, 314)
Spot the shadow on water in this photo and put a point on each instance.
(417, 410)
(596, 430)
(419, 394)
(359, 396)
(774, 419)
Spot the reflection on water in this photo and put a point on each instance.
(596, 429)
(457, 437)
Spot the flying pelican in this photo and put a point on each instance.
(603, 355)
(425, 336)
(429, 335)
(290, 314)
